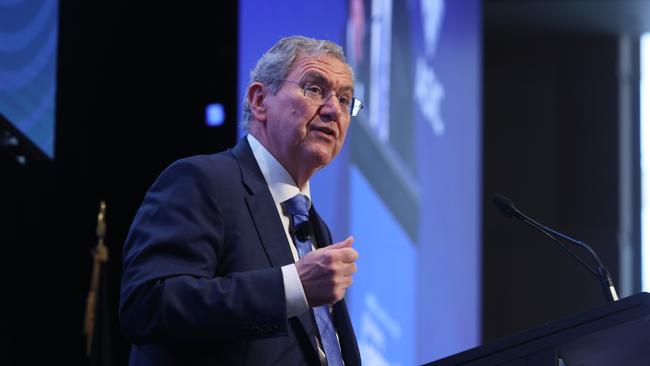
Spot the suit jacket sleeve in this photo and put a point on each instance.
(171, 287)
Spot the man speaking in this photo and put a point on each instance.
(227, 262)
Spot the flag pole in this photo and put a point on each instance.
(100, 256)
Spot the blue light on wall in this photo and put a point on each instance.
(215, 115)
(28, 47)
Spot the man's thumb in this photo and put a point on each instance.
(347, 243)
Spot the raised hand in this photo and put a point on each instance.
(327, 272)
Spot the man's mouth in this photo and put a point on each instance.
(326, 130)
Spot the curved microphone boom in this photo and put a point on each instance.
(508, 209)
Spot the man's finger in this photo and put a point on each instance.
(347, 255)
(348, 269)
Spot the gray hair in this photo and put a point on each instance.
(274, 66)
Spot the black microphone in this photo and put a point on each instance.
(302, 231)
(508, 209)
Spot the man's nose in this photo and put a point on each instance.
(332, 108)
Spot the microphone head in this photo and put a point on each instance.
(505, 206)
(303, 231)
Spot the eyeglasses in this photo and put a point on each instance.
(320, 94)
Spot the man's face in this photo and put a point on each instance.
(301, 134)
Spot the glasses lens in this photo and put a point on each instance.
(357, 105)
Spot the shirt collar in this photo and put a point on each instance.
(280, 182)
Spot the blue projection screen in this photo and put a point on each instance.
(407, 184)
(28, 42)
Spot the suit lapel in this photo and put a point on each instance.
(322, 236)
(267, 222)
(262, 207)
(347, 339)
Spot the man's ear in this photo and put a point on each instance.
(256, 95)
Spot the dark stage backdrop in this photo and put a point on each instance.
(551, 145)
(134, 80)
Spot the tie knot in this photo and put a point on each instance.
(297, 205)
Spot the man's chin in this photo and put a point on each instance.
(321, 157)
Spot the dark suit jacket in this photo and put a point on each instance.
(202, 283)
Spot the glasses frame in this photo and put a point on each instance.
(356, 105)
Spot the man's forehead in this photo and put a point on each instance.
(322, 68)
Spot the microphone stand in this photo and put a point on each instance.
(507, 208)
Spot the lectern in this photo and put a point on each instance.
(608, 335)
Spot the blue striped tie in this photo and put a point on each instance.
(298, 208)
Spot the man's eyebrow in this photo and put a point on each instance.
(318, 77)
(315, 75)
(346, 88)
